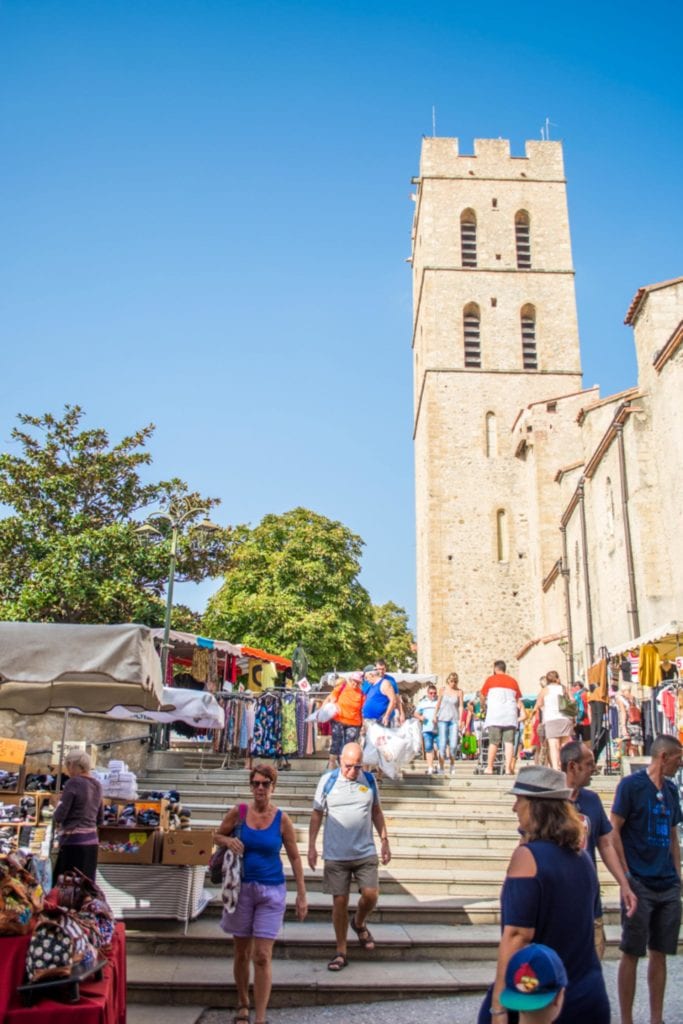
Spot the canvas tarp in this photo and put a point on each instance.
(48, 666)
(193, 707)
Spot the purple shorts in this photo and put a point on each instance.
(259, 912)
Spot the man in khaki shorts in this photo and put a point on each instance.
(348, 799)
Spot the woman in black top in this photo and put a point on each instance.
(77, 816)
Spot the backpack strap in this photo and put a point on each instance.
(329, 785)
(242, 811)
(372, 785)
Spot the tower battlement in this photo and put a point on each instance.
(441, 158)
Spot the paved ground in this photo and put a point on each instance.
(460, 1009)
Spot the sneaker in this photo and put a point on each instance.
(438, 770)
(430, 771)
(452, 769)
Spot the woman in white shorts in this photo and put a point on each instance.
(559, 728)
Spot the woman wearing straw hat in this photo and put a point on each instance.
(549, 897)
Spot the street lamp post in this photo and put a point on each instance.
(176, 515)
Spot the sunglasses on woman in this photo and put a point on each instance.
(261, 783)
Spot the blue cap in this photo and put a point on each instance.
(533, 978)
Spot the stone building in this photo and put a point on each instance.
(504, 433)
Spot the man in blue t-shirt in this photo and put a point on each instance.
(578, 764)
(645, 816)
(424, 712)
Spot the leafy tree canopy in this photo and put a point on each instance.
(294, 579)
(395, 641)
(69, 550)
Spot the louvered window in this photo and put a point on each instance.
(523, 241)
(468, 239)
(529, 355)
(472, 338)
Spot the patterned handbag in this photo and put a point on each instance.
(21, 896)
(50, 953)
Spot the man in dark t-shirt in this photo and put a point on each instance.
(578, 764)
(645, 815)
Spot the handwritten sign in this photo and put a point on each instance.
(12, 751)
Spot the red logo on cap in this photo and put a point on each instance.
(525, 978)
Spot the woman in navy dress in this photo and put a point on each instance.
(549, 896)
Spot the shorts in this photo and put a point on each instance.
(558, 727)
(429, 740)
(341, 735)
(498, 734)
(259, 912)
(338, 875)
(656, 922)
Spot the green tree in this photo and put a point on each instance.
(69, 550)
(394, 639)
(292, 578)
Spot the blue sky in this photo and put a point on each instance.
(204, 213)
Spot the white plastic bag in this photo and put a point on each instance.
(394, 748)
(324, 713)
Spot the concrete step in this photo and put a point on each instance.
(314, 940)
(402, 908)
(208, 980)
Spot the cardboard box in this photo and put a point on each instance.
(160, 806)
(146, 854)
(193, 846)
(16, 798)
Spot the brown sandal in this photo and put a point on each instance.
(338, 963)
(242, 1015)
(364, 935)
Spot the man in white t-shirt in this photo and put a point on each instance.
(503, 704)
(348, 799)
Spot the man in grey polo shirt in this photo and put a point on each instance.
(348, 799)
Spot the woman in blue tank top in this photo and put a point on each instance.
(257, 918)
(549, 896)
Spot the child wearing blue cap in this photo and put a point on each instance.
(535, 980)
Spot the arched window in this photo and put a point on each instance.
(471, 335)
(491, 435)
(502, 535)
(468, 238)
(529, 354)
(523, 240)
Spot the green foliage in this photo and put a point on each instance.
(294, 578)
(69, 550)
(395, 641)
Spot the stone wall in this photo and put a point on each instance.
(41, 731)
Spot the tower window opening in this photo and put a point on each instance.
(472, 337)
(502, 536)
(523, 240)
(468, 238)
(529, 353)
(491, 435)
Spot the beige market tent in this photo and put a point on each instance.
(50, 666)
(667, 638)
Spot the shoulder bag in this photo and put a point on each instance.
(218, 856)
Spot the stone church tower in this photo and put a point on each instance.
(495, 337)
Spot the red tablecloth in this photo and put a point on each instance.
(101, 1002)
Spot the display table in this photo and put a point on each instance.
(101, 1002)
(154, 890)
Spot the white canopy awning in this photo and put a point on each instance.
(53, 666)
(668, 638)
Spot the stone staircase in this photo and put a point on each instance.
(437, 922)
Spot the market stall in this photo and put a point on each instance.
(93, 668)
